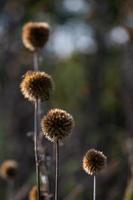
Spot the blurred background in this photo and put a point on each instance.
(90, 57)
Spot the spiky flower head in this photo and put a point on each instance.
(94, 161)
(57, 124)
(9, 169)
(36, 86)
(35, 35)
(33, 193)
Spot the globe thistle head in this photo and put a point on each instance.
(94, 161)
(33, 193)
(35, 35)
(9, 169)
(36, 86)
(57, 124)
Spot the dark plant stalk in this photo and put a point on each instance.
(36, 68)
(37, 113)
(56, 169)
(94, 187)
(35, 61)
(10, 190)
(36, 125)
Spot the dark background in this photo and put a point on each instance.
(90, 57)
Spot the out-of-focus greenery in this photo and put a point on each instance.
(129, 192)
(69, 83)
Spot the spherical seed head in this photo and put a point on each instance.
(36, 86)
(57, 124)
(33, 193)
(94, 161)
(35, 35)
(9, 169)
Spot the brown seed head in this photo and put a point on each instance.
(36, 86)
(57, 124)
(35, 35)
(33, 193)
(9, 169)
(94, 161)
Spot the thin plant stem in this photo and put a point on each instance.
(10, 190)
(36, 68)
(56, 169)
(94, 187)
(36, 124)
(35, 61)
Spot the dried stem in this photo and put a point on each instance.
(10, 190)
(36, 61)
(36, 125)
(36, 68)
(57, 169)
(94, 187)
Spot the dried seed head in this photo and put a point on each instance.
(94, 161)
(57, 124)
(33, 193)
(9, 169)
(35, 35)
(36, 86)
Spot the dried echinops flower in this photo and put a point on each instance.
(57, 124)
(9, 169)
(94, 161)
(35, 35)
(33, 193)
(36, 86)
